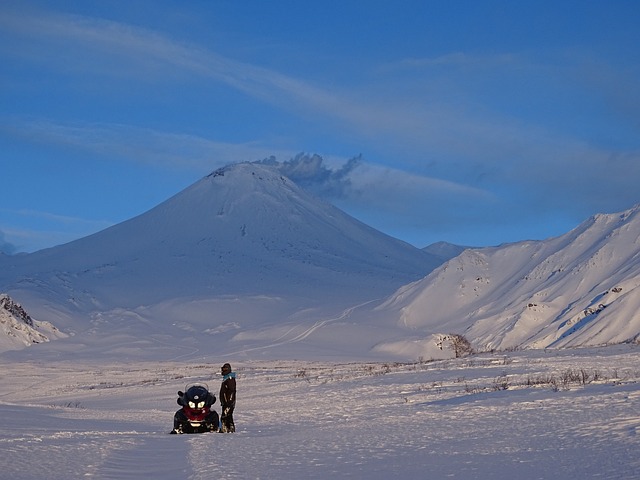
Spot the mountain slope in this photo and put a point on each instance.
(19, 330)
(578, 289)
(244, 235)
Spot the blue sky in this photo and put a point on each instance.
(473, 122)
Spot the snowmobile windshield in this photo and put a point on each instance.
(196, 395)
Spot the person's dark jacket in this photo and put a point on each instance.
(228, 390)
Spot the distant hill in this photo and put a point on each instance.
(444, 250)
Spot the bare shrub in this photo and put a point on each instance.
(501, 383)
(459, 344)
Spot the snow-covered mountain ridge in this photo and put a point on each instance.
(581, 288)
(244, 262)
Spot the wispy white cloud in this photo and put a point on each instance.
(398, 119)
(358, 182)
(137, 144)
(58, 219)
(140, 47)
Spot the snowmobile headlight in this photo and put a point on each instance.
(201, 405)
(192, 405)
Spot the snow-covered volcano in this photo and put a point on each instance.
(242, 248)
(582, 288)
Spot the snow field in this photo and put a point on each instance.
(473, 418)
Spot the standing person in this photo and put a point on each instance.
(227, 398)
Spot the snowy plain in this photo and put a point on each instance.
(534, 414)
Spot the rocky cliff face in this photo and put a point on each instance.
(18, 329)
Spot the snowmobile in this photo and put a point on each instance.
(196, 415)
